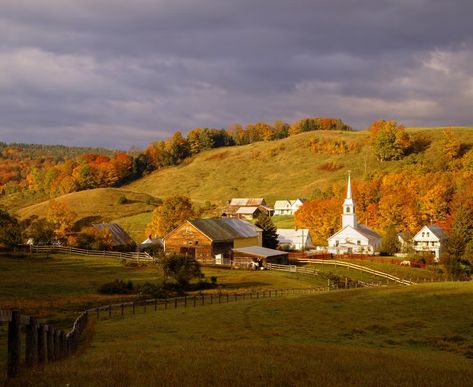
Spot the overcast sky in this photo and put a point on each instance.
(118, 73)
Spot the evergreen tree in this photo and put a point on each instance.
(270, 236)
(390, 244)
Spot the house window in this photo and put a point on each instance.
(423, 234)
(358, 243)
(428, 233)
(432, 243)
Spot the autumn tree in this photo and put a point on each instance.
(321, 216)
(451, 145)
(41, 231)
(270, 235)
(61, 217)
(170, 214)
(389, 140)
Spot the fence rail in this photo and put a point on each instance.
(43, 342)
(135, 256)
(368, 270)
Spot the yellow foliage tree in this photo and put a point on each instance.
(61, 217)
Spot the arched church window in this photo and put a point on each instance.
(348, 210)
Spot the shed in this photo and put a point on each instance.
(120, 237)
(247, 257)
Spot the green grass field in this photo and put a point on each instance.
(406, 336)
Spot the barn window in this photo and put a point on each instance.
(196, 242)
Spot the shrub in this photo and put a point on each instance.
(117, 287)
(122, 199)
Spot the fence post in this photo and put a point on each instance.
(31, 343)
(57, 344)
(155, 304)
(41, 344)
(211, 298)
(185, 301)
(14, 344)
(165, 303)
(194, 300)
(110, 311)
(50, 343)
(236, 297)
(122, 309)
(203, 299)
(133, 307)
(175, 302)
(227, 298)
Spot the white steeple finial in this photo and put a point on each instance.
(349, 186)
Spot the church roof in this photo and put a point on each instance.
(360, 229)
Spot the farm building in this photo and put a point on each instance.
(257, 256)
(431, 239)
(353, 238)
(211, 240)
(287, 207)
(247, 208)
(149, 243)
(120, 238)
(294, 239)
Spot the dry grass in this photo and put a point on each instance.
(418, 336)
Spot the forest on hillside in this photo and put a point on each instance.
(56, 170)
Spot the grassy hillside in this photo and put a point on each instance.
(370, 337)
(280, 169)
(101, 204)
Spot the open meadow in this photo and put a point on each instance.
(417, 335)
(405, 336)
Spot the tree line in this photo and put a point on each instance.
(56, 170)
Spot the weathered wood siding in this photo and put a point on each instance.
(187, 238)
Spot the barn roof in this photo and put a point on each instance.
(246, 210)
(225, 229)
(258, 251)
(247, 202)
(119, 235)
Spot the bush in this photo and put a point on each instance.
(117, 287)
(122, 199)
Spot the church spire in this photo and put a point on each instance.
(349, 216)
(349, 186)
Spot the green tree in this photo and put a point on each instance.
(10, 230)
(389, 140)
(180, 268)
(170, 214)
(390, 244)
(41, 231)
(270, 235)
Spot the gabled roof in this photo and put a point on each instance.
(246, 210)
(260, 252)
(225, 229)
(119, 236)
(434, 229)
(247, 202)
(360, 229)
(286, 203)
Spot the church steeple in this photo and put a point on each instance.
(349, 216)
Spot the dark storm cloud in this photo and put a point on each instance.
(120, 73)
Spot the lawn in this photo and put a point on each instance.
(405, 336)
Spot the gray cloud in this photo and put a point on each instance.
(120, 73)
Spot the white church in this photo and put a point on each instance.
(353, 238)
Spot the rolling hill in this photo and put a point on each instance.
(97, 205)
(286, 168)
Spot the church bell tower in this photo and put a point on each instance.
(349, 216)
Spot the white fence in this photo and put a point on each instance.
(354, 266)
(134, 256)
